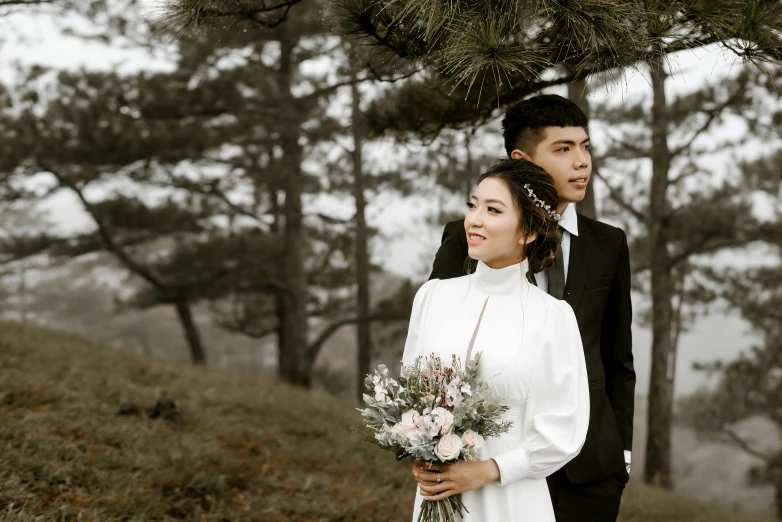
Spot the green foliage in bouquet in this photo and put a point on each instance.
(480, 410)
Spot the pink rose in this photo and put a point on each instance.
(448, 448)
(472, 439)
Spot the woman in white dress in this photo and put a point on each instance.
(530, 344)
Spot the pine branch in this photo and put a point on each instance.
(185, 15)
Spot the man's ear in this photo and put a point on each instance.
(519, 154)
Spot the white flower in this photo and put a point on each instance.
(453, 395)
(448, 448)
(427, 426)
(472, 439)
(409, 418)
(443, 419)
(466, 389)
(409, 423)
(399, 430)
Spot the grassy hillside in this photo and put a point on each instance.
(80, 442)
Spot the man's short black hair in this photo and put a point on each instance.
(525, 122)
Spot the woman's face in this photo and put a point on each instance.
(492, 226)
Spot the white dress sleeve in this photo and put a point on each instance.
(414, 343)
(557, 407)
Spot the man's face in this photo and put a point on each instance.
(563, 153)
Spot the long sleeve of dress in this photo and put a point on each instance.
(557, 412)
(413, 344)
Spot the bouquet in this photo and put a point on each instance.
(435, 413)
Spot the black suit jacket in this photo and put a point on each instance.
(598, 290)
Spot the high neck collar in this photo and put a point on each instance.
(505, 281)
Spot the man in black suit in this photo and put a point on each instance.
(592, 273)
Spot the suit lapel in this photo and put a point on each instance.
(580, 255)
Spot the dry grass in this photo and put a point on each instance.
(77, 443)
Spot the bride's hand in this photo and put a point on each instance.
(455, 478)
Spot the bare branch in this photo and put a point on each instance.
(614, 194)
(104, 232)
(254, 335)
(737, 440)
(315, 347)
(708, 247)
(639, 152)
(10, 3)
(690, 171)
(271, 286)
(713, 114)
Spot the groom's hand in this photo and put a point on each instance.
(454, 479)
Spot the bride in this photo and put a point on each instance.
(530, 343)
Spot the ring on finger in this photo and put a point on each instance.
(438, 478)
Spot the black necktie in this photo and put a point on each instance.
(556, 274)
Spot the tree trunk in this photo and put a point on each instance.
(577, 92)
(658, 443)
(778, 496)
(191, 331)
(279, 297)
(470, 176)
(363, 331)
(23, 291)
(676, 330)
(295, 363)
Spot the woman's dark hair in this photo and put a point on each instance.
(541, 252)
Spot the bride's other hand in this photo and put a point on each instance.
(455, 478)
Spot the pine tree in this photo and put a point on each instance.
(751, 385)
(678, 213)
(99, 128)
(478, 56)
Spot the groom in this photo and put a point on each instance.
(591, 273)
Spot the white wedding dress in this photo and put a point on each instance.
(533, 357)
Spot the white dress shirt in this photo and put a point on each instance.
(569, 225)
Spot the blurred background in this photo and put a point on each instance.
(254, 202)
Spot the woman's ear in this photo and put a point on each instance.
(527, 239)
(518, 154)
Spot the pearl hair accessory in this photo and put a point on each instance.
(542, 204)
